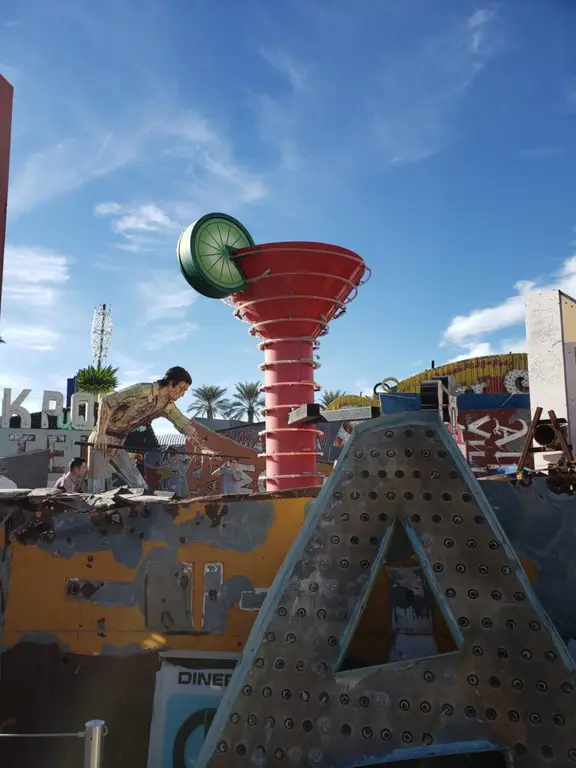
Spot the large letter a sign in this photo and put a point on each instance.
(401, 627)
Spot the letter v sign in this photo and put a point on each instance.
(507, 687)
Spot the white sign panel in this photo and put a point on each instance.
(189, 687)
(81, 414)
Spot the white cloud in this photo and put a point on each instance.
(35, 264)
(33, 282)
(142, 226)
(464, 328)
(187, 146)
(33, 337)
(67, 165)
(175, 140)
(479, 24)
(147, 217)
(484, 348)
(467, 331)
(165, 296)
(168, 334)
(34, 275)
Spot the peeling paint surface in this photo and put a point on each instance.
(124, 576)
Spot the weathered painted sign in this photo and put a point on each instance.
(494, 438)
(81, 414)
(60, 444)
(189, 687)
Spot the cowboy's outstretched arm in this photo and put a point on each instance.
(185, 426)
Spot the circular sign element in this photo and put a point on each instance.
(206, 255)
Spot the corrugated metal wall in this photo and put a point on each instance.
(491, 370)
(6, 96)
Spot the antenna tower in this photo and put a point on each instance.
(101, 333)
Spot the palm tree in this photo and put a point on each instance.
(209, 399)
(97, 379)
(329, 395)
(246, 403)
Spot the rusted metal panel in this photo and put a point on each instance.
(510, 685)
(252, 600)
(168, 597)
(212, 608)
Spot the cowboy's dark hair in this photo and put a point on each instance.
(175, 375)
(76, 463)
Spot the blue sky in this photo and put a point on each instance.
(435, 139)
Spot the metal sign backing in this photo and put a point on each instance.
(509, 685)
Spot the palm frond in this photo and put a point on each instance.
(246, 403)
(99, 380)
(209, 399)
(329, 395)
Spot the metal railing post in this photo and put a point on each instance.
(93, 743)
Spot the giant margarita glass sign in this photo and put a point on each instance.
(80, 415)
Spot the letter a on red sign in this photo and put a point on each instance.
(400, 627)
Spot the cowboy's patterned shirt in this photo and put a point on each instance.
(138, 405)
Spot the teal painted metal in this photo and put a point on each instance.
(206, 255)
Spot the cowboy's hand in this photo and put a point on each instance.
(190, 432)
(205, 451)
(101, 443)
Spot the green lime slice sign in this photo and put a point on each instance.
(206, 255)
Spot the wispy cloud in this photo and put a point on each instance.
(33, 276)
(82, 142)
(541, 153)
(280, 115)
(418, 91)
(468, 331)
(570, 95)
(485, 348)
(33, 337)
(165, 296)
(293, 70)
(69, 164)
(142, 226)
(168, 334)
(193, 149)
(405, 108)
(34, 283)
